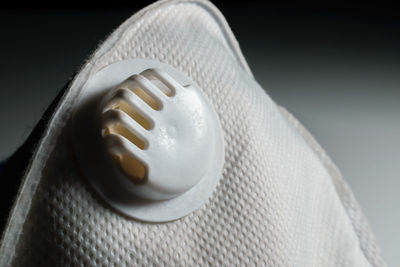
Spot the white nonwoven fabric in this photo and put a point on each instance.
(280, 201)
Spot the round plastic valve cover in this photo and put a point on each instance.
(148, 140)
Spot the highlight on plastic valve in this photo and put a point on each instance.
(148, 140)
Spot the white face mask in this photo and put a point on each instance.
(279, 200)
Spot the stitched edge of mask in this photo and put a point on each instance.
(361, 227)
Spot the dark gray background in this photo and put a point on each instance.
(337, 69)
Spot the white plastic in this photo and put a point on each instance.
(148, 140)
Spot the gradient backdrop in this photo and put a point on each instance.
(336, 69)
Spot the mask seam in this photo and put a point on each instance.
(334, 174)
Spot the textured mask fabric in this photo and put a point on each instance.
(280, 201)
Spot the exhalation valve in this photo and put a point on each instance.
(148, 140)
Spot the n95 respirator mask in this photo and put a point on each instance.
(164, 150)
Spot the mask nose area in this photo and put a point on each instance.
(148, 140)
